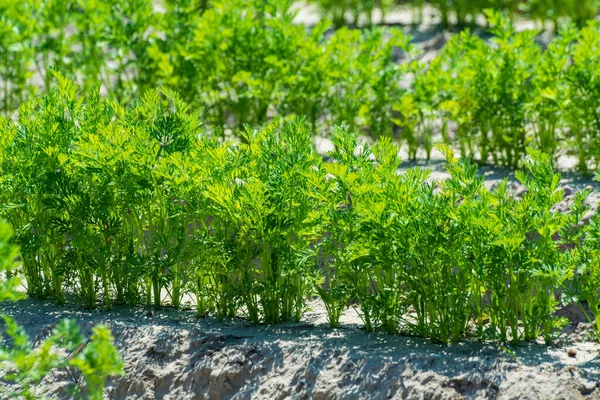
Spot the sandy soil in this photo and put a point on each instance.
(173, 355)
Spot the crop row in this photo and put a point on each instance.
(463, 12)
(241, 61)
(492, 100)
(138, 205)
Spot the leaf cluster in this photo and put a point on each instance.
(256, 65)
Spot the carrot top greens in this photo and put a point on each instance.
(139, 204)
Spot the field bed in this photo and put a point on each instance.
(171, 354)
(174, 355)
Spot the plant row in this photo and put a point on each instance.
(463, 12)
(491, 100)
(242, 62)
(139, 205)
(494, 100)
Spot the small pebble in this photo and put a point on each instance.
(572, 352)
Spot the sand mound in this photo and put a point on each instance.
(173, 355)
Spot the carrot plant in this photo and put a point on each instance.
(548, 108)
(420, 111)
(8, 256)
(265, 205)
(529, 257)
(35, 173)
(493, 100)
(16, 33)
(342, 11)
(462, 13)
(492, 83)
(580, 12)
(587, 278)
(257, 65)
(383, 76)
(165, 132)
(459, 254)
(385, 220)
(215, 262)
(581, 240)
(447, 253)
(338, 187)
(501, 98)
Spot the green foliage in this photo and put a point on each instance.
(127, 199)
(579, 12)
(140, 204)
(8, 256)
(490, 91)
(257, 65)
(90, 41)
(452, 252)
(97, 361)
(527, 249)
(492, 99)
(261, 64)
(583, 91)
(259, 207)
(583, 255)
(339, 11)
(495, 100)
(123, 196)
